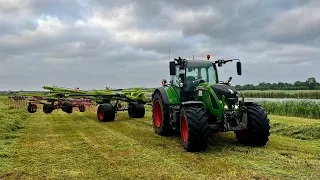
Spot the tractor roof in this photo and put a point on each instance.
(199, 63)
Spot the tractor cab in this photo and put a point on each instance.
(194, 71)
(187, 73)
(200, 71)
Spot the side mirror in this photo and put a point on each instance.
(172, 68)
(239, 71)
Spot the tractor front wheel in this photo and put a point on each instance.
(258, 128)
(160, 115)
(194, 128)
(106, 112)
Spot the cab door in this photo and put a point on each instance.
(176, 82)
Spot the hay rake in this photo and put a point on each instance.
(105, 102)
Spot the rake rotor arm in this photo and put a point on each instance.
(61, 90)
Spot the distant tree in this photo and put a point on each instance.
(311, 83)
(238, 87)
(274, 86)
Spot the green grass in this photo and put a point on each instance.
(306, 109)
(299, 128)
(11, 122)
(300, 94)
(77, 146)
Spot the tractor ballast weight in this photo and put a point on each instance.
(196, 102)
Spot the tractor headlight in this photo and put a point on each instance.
(236, 106)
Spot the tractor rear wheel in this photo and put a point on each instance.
(194, 128)
(160, 115)
(106, 112)
(47, 108)
(136, 110)
(258, 128)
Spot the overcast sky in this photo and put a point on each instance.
(125, 43)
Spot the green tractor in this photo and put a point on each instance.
(196, 103)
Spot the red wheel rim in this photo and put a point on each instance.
(157, 113)
(184, 128)
(101, 114)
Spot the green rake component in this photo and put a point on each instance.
(109, 101)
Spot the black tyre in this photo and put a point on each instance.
(47, 108)
(160, 115)
(67, 107)
(258, 131)
(82, 108)
(194, 128)
(106, 112)
(136, 110)
(32, 108)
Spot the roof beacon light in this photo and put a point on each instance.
(208, 56)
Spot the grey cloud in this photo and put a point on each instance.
(236, 23)
(297, 26)
(89, 40)
(66, 10)
(98, 55)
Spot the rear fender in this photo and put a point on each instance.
(163, 93)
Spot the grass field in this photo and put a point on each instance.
(77, 146)
(300, 94)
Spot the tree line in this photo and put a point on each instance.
(309, 84)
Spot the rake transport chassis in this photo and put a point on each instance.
(66, 99)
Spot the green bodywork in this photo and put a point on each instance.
(173, 99)
(173, 95)
(206, 90)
